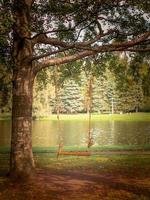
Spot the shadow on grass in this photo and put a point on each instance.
(60, 181)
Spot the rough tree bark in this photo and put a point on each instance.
(21, 161)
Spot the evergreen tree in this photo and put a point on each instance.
(72, 101)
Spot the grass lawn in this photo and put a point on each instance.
(98, 177)
(117, 117)
(93, 149)
(81, 117)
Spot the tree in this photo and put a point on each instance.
(72, 101)
(43, 91)
(5, 61)
(42, 29)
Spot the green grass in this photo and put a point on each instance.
(83, 148)
(98, 163)
(105, 177)
(94, 148)
(95, 117)
(101, 117)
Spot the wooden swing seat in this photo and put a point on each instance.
(75, 153)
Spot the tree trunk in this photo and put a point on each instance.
(21, 159)
(22, 163)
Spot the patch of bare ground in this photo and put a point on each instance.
(76, 185)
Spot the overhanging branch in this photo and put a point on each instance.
(50, 53)
(139, 50)
(62, 60)
(44, 39)
(88, 51)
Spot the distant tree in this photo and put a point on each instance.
(139, 69)
(43, 91)
(71, 97)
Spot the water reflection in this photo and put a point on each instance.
(46, 133)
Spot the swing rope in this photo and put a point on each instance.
(90, 139)
(57, 101)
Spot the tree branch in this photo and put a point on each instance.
(133, 42)
(63, 30)
(49, 53)
(139, 50)
(29, 2)
(121, 46)
(98, 37)
(62, 60)
(43, 39)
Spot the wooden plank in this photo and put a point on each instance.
(75, 153)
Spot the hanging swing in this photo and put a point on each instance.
(90, 138)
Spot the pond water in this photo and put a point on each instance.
(47, 133)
